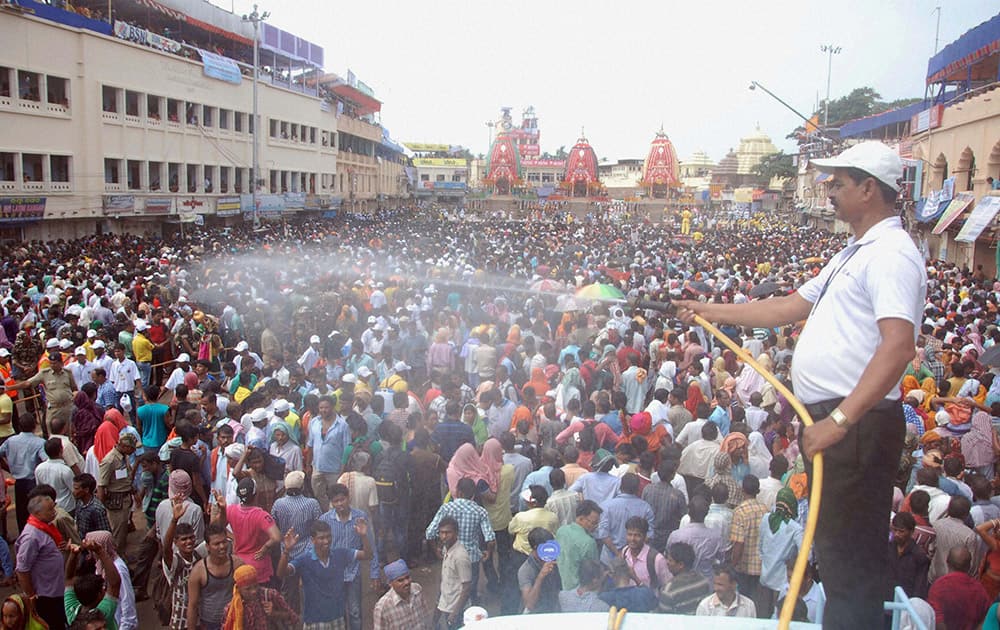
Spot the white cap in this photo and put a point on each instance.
(371, 319)
(4, 352)
(400, 366)
(141, 325)
(65, 344)
(242, 346)
(364, 372)
(97, 344)
(52, 343)
(80, 352)
(349, 378)
(91, 333)
(281, 405)
(258, 415)
(314, 339)
(183, 358)
(874, 158)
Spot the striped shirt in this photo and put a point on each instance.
(295, 511)
(345, 537)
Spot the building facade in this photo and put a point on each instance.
(116, 127)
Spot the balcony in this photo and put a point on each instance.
(108, 187)
(8, 186)
(60, 187)
(360, 128)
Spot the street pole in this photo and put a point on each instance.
(831, 50)
(256, 18)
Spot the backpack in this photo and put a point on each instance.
(654, 579)
(386, 475)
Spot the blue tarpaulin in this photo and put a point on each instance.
(62, 16)
(977, 43)
(867, 124)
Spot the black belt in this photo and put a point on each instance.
(822, 409)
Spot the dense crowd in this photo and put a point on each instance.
(285, 414)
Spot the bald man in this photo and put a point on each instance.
(959, 601)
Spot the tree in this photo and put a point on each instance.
(561, 154)
(775, 165)
(861, 102)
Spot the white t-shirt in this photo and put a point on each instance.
(879, 276)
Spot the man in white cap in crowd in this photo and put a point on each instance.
(245, 355)
(183, 366)
(257, 433)
(311, 356)
(397, 380)
(863, 309)
(101, 357)
(80, 367)
(142, 351)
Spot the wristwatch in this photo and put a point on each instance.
(838, 416)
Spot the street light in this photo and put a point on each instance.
(831, 50)
(490, 125)
(754, 85)
(256, 18)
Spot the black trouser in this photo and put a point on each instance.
(21, 489)
(855, 504)
(52, 611)
(143, 563)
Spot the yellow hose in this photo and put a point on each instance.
(795, 584)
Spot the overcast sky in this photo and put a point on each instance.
(443, 68)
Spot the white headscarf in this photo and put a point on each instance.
(760, 457)
(924, 611)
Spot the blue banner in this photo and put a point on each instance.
(221, 68)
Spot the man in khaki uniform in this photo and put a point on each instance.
(59, 390)
(114, 487)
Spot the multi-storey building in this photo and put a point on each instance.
(143, 120)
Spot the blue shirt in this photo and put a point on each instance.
(295, 512)
(616, 513)
(23, 452)
(721, 418)
(107, 397)
(344, 537)
(323, 592)
(538, 477)
(328, 448)
(451, 434)
(597, 486)
(154, 430)
(614, 421)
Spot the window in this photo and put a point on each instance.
(57, 91)
(191, 114)
(192, 178)
(173, 176)
(425, 177)
(224, 179)
(109, 99)
(111, 174)
(273, 128)
(131, 103)
(295, 132)
(155, 171)
(456, 178)
(29, 85)
(153, 107)
(209, 174)
(283, 130)
(238, 121)
(4, 81)
(7, 166)
(208, 116)
(273, 181)
(59, 168)
(250, 124)
(439, 178)
(312, 135)
(133, 169)
(31, 167)
(223, 119)
(173, 110)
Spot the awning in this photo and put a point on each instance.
(365, 104)
(153, 4)
(214, 29)
(953, 211)
(864, 125)
(968, 50)
(979, 219)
